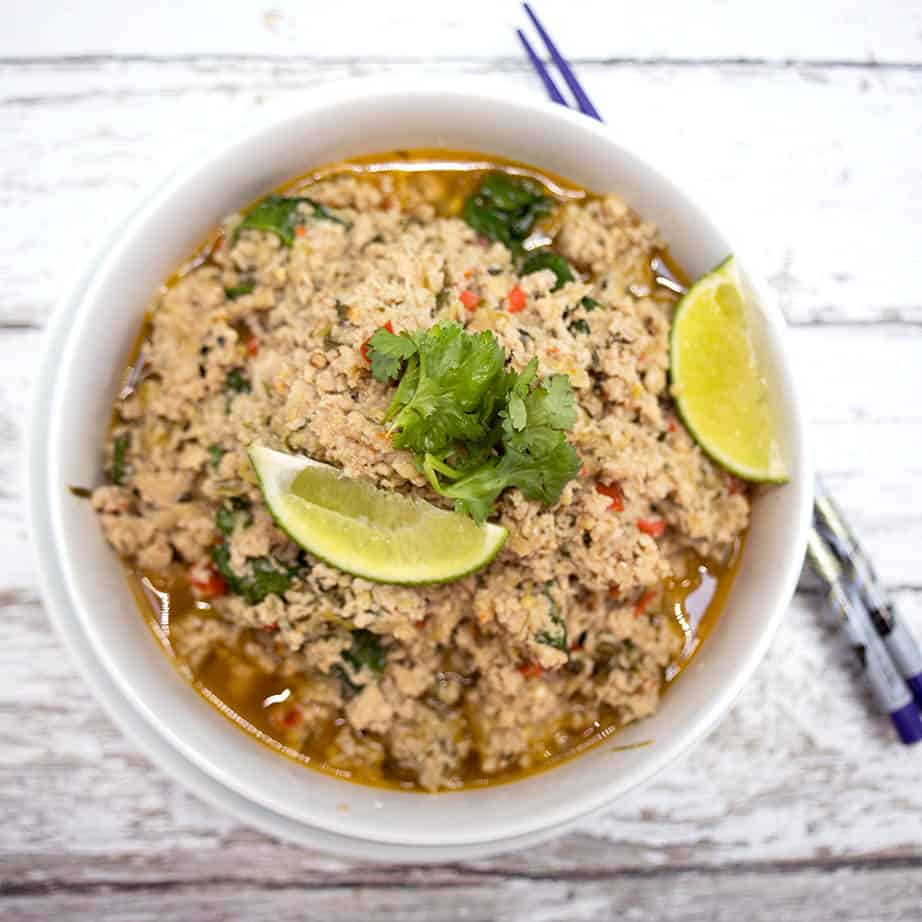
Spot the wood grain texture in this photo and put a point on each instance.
(767, 895)
(797, 126)
(851, 31)
(813, 170)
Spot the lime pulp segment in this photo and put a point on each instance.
(718, 379)
(379, 535)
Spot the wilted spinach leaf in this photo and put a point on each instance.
(264, 578)
(279, 215)
(366, 650)
(547, 259)
(506, 208)
(229, 510)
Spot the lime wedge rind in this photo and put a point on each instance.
(391, 539)
(717, 378)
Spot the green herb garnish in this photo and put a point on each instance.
(555, 636)
(475, 427)
(228, 513)
(322, 213)
(536, 456)
(453, 380)
(216, 453)
(119, 462)
(263, 579)
(580, 325)
(279, 215)
(546, 259)
(506, 208)
(366, 650)
(237, 382)
(237, 291)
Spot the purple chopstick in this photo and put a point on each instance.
(549, 84)
(582, 100)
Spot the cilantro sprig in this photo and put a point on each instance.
(449, 390)
(475, 426)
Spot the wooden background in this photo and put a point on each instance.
(799, 126)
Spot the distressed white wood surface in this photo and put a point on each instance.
(848, 31)
(798, 126)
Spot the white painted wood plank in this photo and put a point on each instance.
(860, 895)
(800, 804)
(849, 30)
(816, 174)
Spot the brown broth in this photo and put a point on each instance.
(254, 698)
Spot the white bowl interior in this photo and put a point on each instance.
(86, 373)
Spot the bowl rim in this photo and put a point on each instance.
(43, 526)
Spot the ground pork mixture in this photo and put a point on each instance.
(263, 341)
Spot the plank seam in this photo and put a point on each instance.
(501, 62)
(418, 879)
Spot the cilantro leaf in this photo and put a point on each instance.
(540, 465)
(540, 462)
(537, 458)
(475, 427)
(518, 415)
(387, 351)
(552, 404)
(458, 379)
(405, 389)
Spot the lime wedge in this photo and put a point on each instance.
(718, 381)
(381, 536)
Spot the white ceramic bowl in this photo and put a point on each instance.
(88, 341)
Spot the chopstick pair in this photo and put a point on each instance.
(890, 656)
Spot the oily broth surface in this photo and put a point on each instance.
(259, 700)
